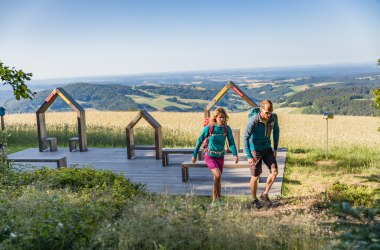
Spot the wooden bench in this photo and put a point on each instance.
(60, 160)
(167, 151)
(202, 164)
(143, 147)
(52, 141)
(73, 143)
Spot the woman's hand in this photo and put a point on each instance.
(193, 159)
(236, 159)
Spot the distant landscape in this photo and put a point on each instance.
(341, 89)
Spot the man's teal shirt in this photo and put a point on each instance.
(255, 137)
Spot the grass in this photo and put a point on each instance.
(159, 101)
(107, 129)
(300, 88)
(308, 172)
(83, 208)
(177, 222)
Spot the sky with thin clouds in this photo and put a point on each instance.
(72, 38)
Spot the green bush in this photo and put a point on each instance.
(60, 209)
(360, 226)
(356, 195)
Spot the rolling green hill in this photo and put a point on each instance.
(345, 95)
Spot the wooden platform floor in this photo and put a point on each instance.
(149, 171)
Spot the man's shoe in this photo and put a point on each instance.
(265, 199)
(256, 204)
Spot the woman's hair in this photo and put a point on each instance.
(217, 112)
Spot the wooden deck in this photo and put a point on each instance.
(149, 171)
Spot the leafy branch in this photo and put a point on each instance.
(16, 79)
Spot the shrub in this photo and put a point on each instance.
(60, 209)
(360, 227)
(356, 195)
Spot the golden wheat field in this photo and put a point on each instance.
(297, 130)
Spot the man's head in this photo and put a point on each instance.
(266, 109)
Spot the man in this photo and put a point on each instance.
(257, 145)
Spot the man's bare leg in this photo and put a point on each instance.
(270, 180)
(254, 184)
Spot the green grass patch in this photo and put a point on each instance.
(300, 88)
(159, 101)
(356, 195)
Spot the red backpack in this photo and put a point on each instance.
(206, 122)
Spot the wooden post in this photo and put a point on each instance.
(158, 142)
(236, 135)
(2, 123)
(130, 141)
(82, 130)
(41, 130)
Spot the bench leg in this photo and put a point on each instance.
(164, 159)
(183, 174)
(73, 145)
(200, 155)
(62, 163)
(53, 145)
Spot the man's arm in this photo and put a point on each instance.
(276, 136)
(246, 135)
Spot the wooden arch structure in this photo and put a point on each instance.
(222, 92)
(131, 138)
(41, 123)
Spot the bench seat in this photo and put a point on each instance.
(167, 151)
(60, 160)
(143, 147)
(202, 164)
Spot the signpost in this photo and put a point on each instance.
(327, 116)
(2, 113)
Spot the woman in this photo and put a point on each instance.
(214, 136)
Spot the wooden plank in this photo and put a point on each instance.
(146, 169)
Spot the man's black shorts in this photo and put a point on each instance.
(268, 158)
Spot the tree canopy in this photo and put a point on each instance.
(16, 79)
(376, 93)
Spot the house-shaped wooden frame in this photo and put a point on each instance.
(131, 147)
(222, 92)
(41, 123)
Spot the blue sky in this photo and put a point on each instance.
(71, 38)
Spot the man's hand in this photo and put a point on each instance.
(236, 159)
(251, 161)
(193, 159)
(275, 153)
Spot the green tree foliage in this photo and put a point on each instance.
(17, 79)
(376, 93)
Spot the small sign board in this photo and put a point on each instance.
(328, 115)
(2, 111)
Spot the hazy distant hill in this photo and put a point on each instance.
(100, 97)
(342, 90)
